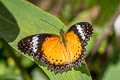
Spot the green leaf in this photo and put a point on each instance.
(19, 18)
(37, 74)
(10, 77)
(112, 68)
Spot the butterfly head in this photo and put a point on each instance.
(62, 32)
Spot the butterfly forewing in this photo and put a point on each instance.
(32, 45)
(83, 30)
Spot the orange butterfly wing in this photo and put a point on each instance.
(74, 46)
(52, 50)
(57, 53)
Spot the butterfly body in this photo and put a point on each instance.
(59, 52)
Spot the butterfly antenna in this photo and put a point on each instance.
(48, 23)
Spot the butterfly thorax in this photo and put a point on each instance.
(63, 40)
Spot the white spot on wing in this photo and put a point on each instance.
(34, 43)
(81, 31)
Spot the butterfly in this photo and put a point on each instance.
(59, 52)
